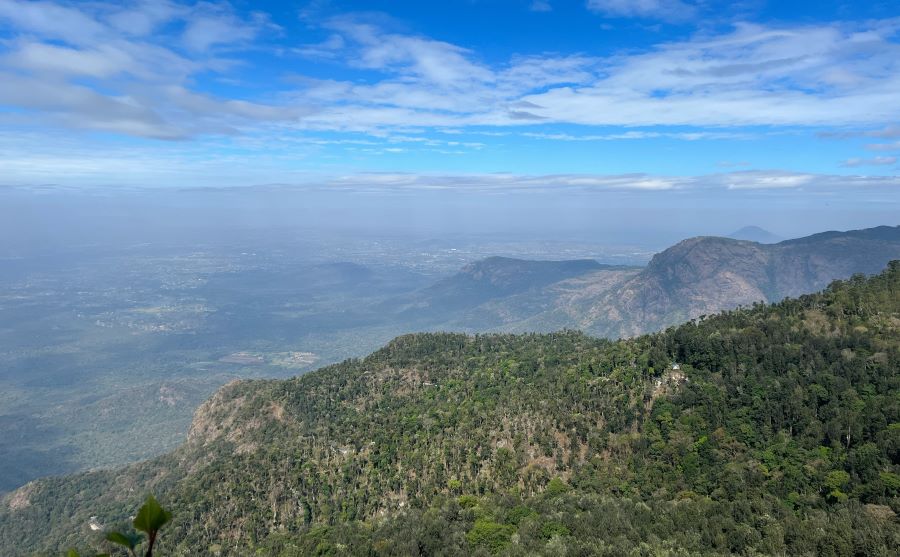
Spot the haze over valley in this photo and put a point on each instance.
(125, 332)
(487, 278)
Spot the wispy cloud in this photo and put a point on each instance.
(670, 10)
(327, 49)
(764, 180)
(52, 20)
(874, 161)
(143, 69)
(733, 183)
(29, 159)
(887, 132)
(753, 75)
(893, 146)
(213, 26)
(508, 183)
(109, 67)
(639, 134)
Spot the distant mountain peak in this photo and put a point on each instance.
(755, 234)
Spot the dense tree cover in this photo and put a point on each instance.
(765, 430)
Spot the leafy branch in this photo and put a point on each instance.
(150, 519)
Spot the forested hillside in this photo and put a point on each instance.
(767, 430)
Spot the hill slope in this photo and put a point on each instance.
(698, 276)
(778, 432)
(492, 278)
(701, 276)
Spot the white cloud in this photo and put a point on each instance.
(39, 58)
(422, 58)
(52, 20)
(540, 6)
(109, 67)
(327, 49)
(895, 146)
(145, 17)
(874, 161)
(638, 134)
(752, 76)
(212, 26)
(735, 182)
(426, 82)
(787, 180)
(751, 179)
(671, 10)
(38, 158)
(137, 69)
(887, 132)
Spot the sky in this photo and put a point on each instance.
(666, 103)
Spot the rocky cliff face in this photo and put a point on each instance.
(704, 275)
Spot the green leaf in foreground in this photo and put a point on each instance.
(151, 517)
(128, 540)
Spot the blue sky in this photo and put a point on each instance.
(470, 95)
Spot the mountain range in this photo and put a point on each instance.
(698, 276)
